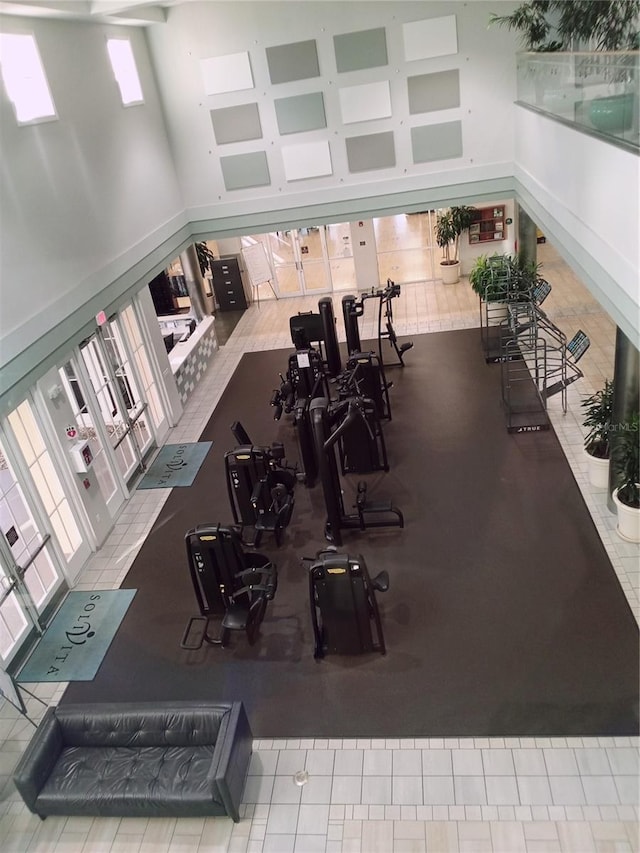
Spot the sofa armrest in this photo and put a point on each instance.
(233, 752)
(38, 760)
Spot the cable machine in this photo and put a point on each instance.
(353, 308)
(368, 513)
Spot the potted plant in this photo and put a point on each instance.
(449, 226)
(504, 278)
(626, 455)
(598, 409)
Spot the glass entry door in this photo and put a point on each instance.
(407, 250)
(123, 409)
(31, 577)
(299, 259)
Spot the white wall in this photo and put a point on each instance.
(586, 193)
(85, 196)
(196, 31)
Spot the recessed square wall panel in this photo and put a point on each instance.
(436, 142)
(363, 49)
(241, 171)
(374, 151)
(433, 37)
(366, 102)
(438, 91)
(307, 160)
(300, 113)
(236, 124)
(296, 61)
(229, 73)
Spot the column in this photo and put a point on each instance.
(194, 281)
(527, 236)
(626, 384)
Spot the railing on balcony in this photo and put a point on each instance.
(598, 92)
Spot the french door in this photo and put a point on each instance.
(40, 534)
(121, 404)
(406, 246)
(299, 258)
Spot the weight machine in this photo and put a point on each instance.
(365, 376)
(308, 328)
(353, 308)
(305, 379)
(368, 513)
(260, 487)
(232, 586)
(362, 447)
(344, 610)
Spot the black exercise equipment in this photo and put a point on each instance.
(260, 488)
(332, 350)
(366, 378)
(353, 308)
(362, 446)
(305, 379)
(344, 610)
(232, 586)
(306, 329)
(368, 513)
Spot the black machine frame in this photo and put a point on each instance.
(344, 610)
(368, 513)
(232, 586)
(353, 308)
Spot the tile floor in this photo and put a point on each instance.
(438, 795)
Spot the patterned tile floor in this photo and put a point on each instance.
(439, 795)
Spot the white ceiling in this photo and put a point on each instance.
(127, 12)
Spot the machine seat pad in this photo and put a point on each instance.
(235, 619)
(114, 780)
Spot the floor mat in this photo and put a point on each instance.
(504, 616)
(175, 465)
(76, 641)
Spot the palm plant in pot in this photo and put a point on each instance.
(598, 411)
(449, 226)
(626, 455)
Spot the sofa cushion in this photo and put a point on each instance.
(149, 726)
(131, 781)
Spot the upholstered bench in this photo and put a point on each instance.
(175, 759)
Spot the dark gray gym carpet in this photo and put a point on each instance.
(504, 616)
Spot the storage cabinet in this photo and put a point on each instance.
(227, 285)
(488, 225)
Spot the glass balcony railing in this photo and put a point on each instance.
(598, 92)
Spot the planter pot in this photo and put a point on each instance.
(450, 273)
(598, 470)
(497, 312)
(612, 114)
(628, 520)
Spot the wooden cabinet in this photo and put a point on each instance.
(489, 225)
(227, 285)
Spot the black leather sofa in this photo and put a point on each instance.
(173, 759)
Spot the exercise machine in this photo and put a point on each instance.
(304, 380)
(365, 374)
(260, 487)
(344, 610)
(353, 308)
(232, 586)
(361, 447)
(368, 513)
(332, 350)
